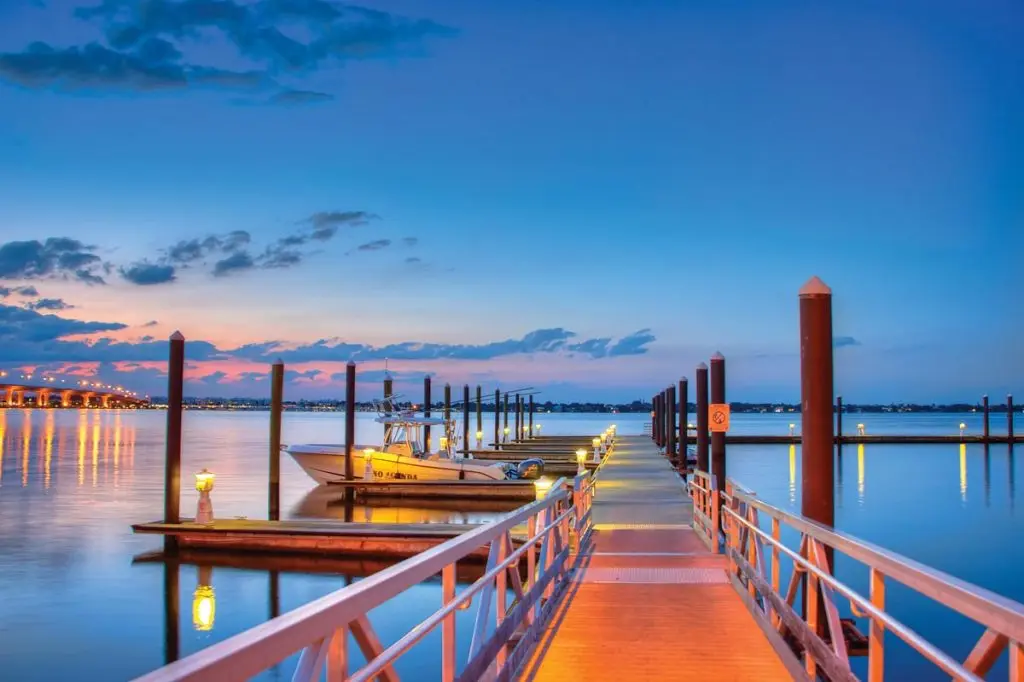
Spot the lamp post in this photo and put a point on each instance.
(368, 464)
(962, 427)
(479, 439)
(597, 449)
(860, 429)
(581, 458)
(204, 509)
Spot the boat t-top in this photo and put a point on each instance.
(404, 455)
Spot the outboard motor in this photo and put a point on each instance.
(530, 468)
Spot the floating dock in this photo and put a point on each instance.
(878, 439)
(319, 538)
(490, 490)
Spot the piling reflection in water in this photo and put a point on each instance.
(963, 472)
(26, 444)
(47, 448)
(860, 474)
(1013, 489)
(792, 474)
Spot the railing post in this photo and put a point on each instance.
(876, 633)
(716, 520)
(448, 625)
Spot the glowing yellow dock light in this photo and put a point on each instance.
(444, 443)
(792, 429)
(536, 427)
(543, 486)
(597, 449)
(581, 457)
(479, 438)
(860, 429)
(368, 464)
(962, 428)
(506, 433)
(204, 509)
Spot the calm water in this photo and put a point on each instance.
(71, 482)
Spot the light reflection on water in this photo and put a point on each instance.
(71, 482)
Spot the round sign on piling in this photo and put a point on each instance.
(718, 417)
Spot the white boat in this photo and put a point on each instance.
(403, 456)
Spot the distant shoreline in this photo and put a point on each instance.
(257, 405)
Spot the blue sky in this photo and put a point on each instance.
(464, 174)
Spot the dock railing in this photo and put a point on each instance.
(320, 629)
(816, 629)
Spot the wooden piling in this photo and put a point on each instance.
(465, 419)
(479, 413)
(172, 599)
(426, 412)
(531, 418)
(816, 434)
(660, 412)
(701, 398)
(350, 419)
(670, 423)
(276, 408)
(984, 418)
(654, 418)
(718, 437)
(497, 419)
(684, 413)
(1009, 420)
(505, 406)
(518, 434)
(447, 405)
(172, 457)
(389, 387)
(839, 420)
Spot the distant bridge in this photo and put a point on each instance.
(66, 392)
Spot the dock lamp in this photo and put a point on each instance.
(204, 484)
(597, 449)
(526, 431)
(581, 457)
(368, 464)
(506, 434)
(604, 438)
(792, 428)
(860, 429)
(962, 428)
(479, 438)
(536, 428)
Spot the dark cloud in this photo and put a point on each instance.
(324, 220)
(411, 241)
(236, 262)
(189, 251)
(843, 341)
(152, 65)
(29, 336)
(299, 98)
(145, 41)
(413, 260)
(22, 327)
(634, 344)
(151, 323)
(330, 32)
(145, 273)
(375, 245)
(56, 257)
(49, 304)
(27, 292)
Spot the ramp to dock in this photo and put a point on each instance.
(650, 601)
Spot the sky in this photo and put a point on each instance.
(589, 198)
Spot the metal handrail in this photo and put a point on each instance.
(320, 628)
(822, 644)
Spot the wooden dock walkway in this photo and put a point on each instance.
(650, 601)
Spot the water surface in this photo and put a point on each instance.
(72, 482)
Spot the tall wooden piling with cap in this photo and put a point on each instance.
(701, 391)
(497, 419)
(1009, 420)
(530, 430)
(984, 419)
(718, 437)
(816, 377)
(426, 412)
(465, 419)
(479, 413)
(670, 423)
(684, 413)
(350, 420)
(172, 452)
(276, 409)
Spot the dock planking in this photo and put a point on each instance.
(321, 538)
(649, 601)
(867, 439)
